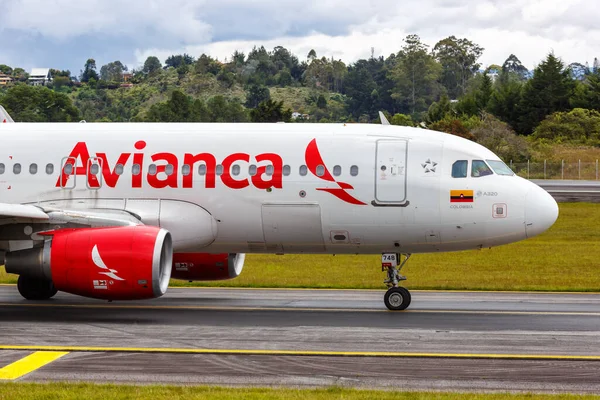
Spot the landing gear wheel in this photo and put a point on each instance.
(35, 289)
(397, 299)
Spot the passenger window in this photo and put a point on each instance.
(68, 170)
(170, 169)
(186, 170)
(320, 170)
(252, 170)
(94, 169)
(459, 169)
(50, 169)
(337, 170)
(202, 169)
(219, 170)
(2, 168)
(119, 169)
(17, 169)
(303, 170)
(136, 169)
(354, 170)
(270, 170)
(235, 170)
(479, 168)
(33, 169)
(152, 169)
(287, 170)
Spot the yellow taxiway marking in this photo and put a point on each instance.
(67, 349)
(29, 364)
(299, 309)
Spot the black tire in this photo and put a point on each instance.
(397, 299)
(35, 289)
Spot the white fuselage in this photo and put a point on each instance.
(275, 188)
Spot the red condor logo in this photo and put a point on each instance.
(79, 160)
(313, 161)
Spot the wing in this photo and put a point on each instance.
(22, 224)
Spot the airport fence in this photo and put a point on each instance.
(557, 170)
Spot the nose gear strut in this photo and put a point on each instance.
(397, 298)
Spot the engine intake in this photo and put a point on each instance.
(121, 263)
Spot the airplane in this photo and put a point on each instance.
(114, 211)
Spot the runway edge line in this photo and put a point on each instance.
(307, 353)
(29, 364)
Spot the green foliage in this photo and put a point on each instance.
(270, 111)
(505, 101)
(113, 72)
(576, 126)
(438, 110)
(456, 126)
(38, 104)
(175, 61)
(501, 139)
(416, 75)
(322, 102)
(152, 65)
(547, 92)
(402, 120)
(89, 71)
(587, 93)
(256, 94)
(458, 58)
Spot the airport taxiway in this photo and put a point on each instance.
(446, 341)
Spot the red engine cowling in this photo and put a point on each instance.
(122, 263)
(207, 267)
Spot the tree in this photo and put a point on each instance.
(113, 72)
(175, 61)
(578, 125)
(256, 94)
(402, 120)
(270, 111)
(5, 69)
(587, 93)
(484, 94)
(322, 102)
(458, 58)
(547, 92)
(221, 109)
(505, 101)
(578, 71)
(89, 71)
(513, 66)
(501, 139)
(151, 65)
(38, 104)
(312, 54)
(438, 110)
(415, 75)
(207, 65)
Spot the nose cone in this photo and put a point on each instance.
(541, 211)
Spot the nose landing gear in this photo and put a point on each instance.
(397, 298)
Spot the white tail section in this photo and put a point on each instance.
(4, 117)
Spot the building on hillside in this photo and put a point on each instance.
(127, 76)
(5, 79)
(40, 77)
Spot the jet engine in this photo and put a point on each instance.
(207, 267)
(120, 263)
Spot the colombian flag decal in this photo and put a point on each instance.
(461, 196)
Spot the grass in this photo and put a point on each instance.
(63, 391)
(566, 258)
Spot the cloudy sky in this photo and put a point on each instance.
(62, 34)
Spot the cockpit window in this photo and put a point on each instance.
(480, 168)
(459, 169)
(500, 168)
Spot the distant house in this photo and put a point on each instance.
(5, 79)
(127, 76)
(40, 77)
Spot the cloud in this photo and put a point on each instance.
(70, 32)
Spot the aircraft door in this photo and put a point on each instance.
(390, 173)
